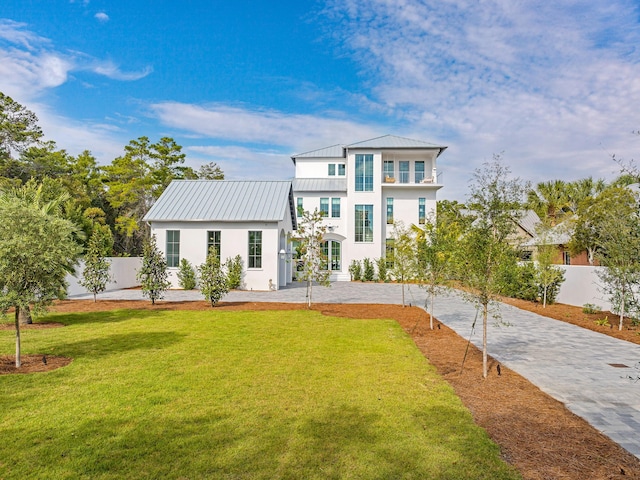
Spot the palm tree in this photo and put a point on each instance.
(550, 200)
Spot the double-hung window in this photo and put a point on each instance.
(335, 208)
(324, 207)
(419, 171)
(255, 249)
(364, 172)
(389, 174)
(422, 214)
(213, 240)
(364, 223)
(173, 248)
(389, 210)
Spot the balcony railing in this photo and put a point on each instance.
(405, 177)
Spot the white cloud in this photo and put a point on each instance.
(102, 17)
(299, 132)
(113, 71)
(554, 85)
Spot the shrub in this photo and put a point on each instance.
(355, 270)
(519, 281)
(381, 263)
(591, 308)
(234, 272)
(603, 322)
(369, 272)
(186, 275)
(213, 281)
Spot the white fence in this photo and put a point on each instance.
(582, 285)
(123, 274)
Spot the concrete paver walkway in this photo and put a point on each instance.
(573, 365)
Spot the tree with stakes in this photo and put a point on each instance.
(153, 276)
(310, 235)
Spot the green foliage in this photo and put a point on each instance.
(213, 280)
(210, 171)
(96, 273)
(355, 270)
(603, 322)
(18, 127)
(186, 275)
(368, 270)
(381, 264)
(517, 280)
(405, 264)
(591, 308)
(235, 271)
(153, 276)
(243, 395)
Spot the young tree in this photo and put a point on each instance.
(153, 276)
(186, 275)
(436, 244)
(405, 266)
(495, 201)
(548, 276)
(37, 250)
(234, 272)
(96, 274)
(213, 280)
(310, 236)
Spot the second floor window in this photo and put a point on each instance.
(332, 169)
(300, 208)
(389, 210)
(404, 172)
(419, 171)
(364, 172)
(341, 170)
(364, 223)
(388, 170)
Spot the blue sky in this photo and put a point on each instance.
(552, 86)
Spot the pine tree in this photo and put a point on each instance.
(153, 276)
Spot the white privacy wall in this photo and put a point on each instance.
(123, 274)
(581, 286)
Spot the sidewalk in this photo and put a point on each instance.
(585, 370)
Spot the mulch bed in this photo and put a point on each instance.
(536, 433)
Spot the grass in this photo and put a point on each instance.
(235, 395)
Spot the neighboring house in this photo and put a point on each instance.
(253, 219)
(363, 189)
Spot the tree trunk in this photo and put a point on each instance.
(484, 340)
(18, 361)
(544, 297)
(309, 292)
(25, 316)
(402, 293)
(622, 309)
(431, 311)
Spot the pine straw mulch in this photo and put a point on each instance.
(536, 433)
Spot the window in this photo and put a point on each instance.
(341, 169)
(324, 207)
(422, 214)
(389, 210)
(566, 258)
(255, 249)
(335, 208)
(173, 248)
(332, 169)
(404, 172)
(389, 174)
(364, 172)
(300, 208)
(389, 252)
(332, 251)
(419, 171)
(364, 223)
(213, 240)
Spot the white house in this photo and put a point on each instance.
(253, 219)
(362, 189)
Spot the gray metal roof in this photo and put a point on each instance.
(320, 185)
(529, 222)
(393, 141)
(334, 151)
(224, 201)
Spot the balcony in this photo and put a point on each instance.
(409, 178)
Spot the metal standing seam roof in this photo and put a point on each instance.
(334, 151)
(393, 141)
(224, 201)
(320, 185)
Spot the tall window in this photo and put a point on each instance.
(255, 249)
(388, 169)
(364, 172)
(332, 251)
(324, 207)
(300, 208)
(389, 252)
(173, 248)
(341, 170)
(422, 214)
(332, 169)
(404, 172)
(364, 223)
(335, 208)
(213, 240)
(419, 171)
(389, 210)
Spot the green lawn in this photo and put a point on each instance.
(235, 395)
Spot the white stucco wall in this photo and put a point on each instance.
(123, 272)
(317, 167)
(582, 286)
